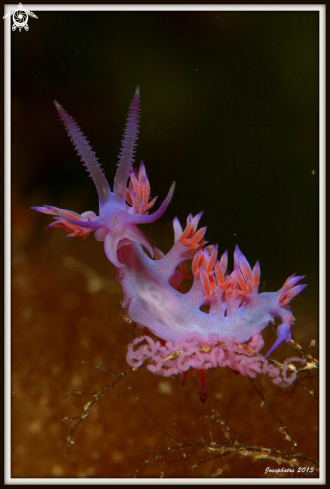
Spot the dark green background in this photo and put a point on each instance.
(229, 110)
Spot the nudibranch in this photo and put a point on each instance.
(219, 321)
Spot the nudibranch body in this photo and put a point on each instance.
(219, 321)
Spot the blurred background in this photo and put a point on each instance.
(229, 110)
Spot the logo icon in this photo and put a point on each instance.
(20, 17)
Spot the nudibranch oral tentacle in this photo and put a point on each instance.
(218, 321)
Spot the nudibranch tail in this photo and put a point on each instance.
(127, 151)
(283, 335)
(86, 153)
(289, 290)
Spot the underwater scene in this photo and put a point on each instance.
(183, 341)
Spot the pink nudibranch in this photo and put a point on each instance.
(237, 312)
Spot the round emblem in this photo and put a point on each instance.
(20, 19)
